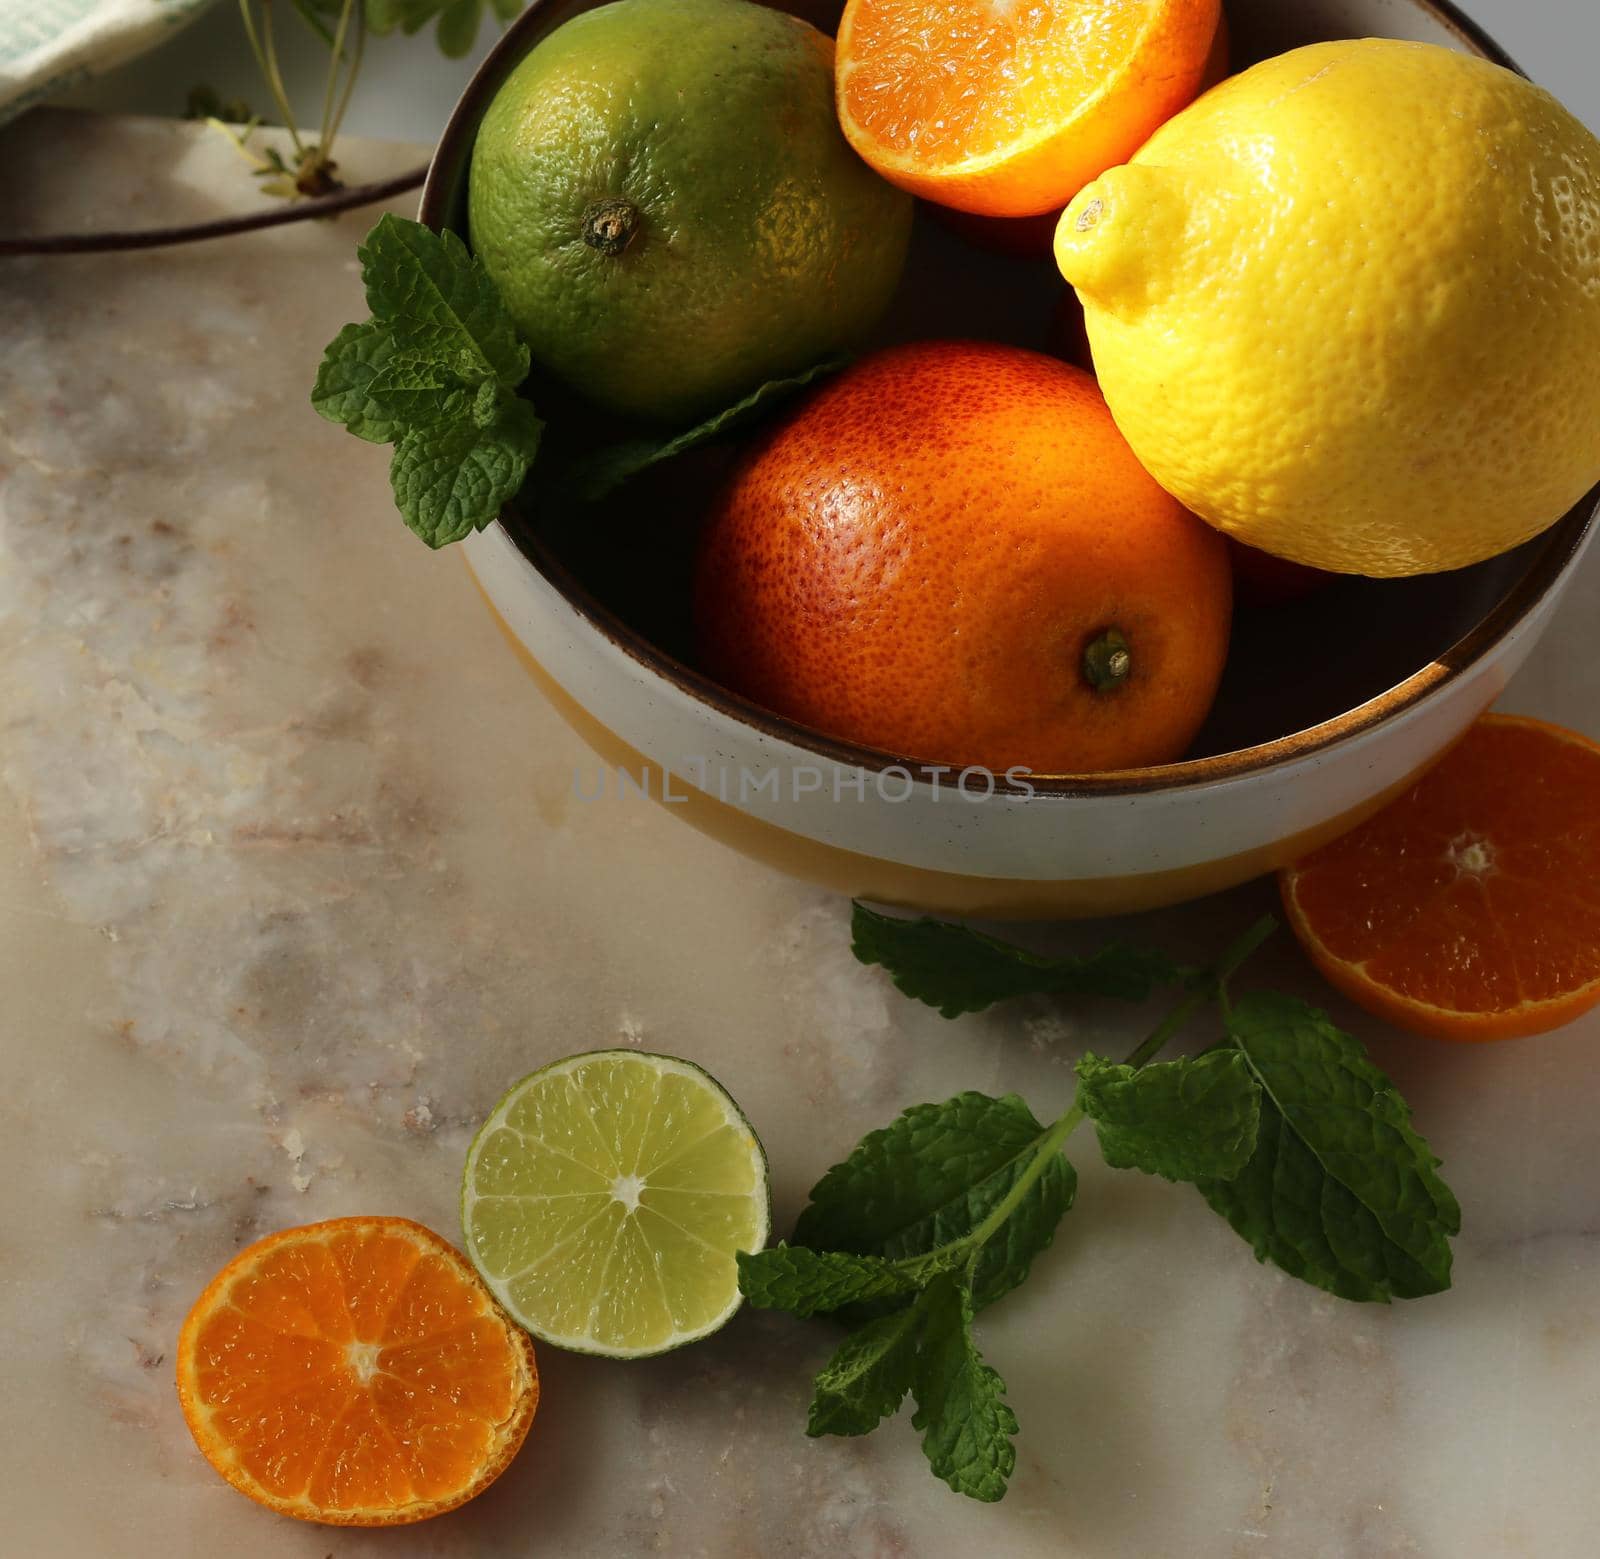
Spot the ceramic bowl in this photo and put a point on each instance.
(1329, 707)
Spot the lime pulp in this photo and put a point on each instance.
(605, 1197)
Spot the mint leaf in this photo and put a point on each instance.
(434, 373)
(341, 393)
(931, 1177)
(1007, 1257)
(926, 1348)
(961, 1409)
(433, 370)
(592, 475)
(1340, 1191)
(868, 1376)
(438, 302)
(412, 390)
(957, 970)
(1190, 1119)
(451, 479)
(804, 1281)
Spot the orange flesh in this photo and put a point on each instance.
(356, 1372)
(1470, 907)
(953, 80)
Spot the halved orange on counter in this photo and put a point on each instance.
(1009, 109)
(1470, 907)
(355, 1372)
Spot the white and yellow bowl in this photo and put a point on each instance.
(1330, 707)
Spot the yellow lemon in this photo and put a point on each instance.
(1347, 306)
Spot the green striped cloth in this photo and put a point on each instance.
(47, 46)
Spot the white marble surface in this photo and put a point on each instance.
(292, 883)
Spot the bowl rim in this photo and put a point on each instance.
(1561, 544)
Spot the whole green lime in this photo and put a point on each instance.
(664, 198)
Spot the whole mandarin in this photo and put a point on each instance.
(949, 552)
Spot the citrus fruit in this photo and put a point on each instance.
(604, 1200)
(949, 552)
(662, 196)
(1470, 907)
(1347, 306)
(355, 1372)
(1219, 58)
(1033, 237)
(1009, 110)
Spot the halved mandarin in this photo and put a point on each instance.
(355, 1372)
(1470, 907)
(1009, 107)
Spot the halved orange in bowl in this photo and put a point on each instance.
(1009, 107)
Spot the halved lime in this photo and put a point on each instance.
(605, 1196)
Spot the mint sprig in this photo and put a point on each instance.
(349, 364)
(1340, 1190)
(438, 303)
(931, 1179)
(946, 1209)
(433, 372)
(869, 1375)
(925, 1348)
(1285, 1126)
(959, 970)
(592, 474)
(806, 1282)
(961, 1409)
(1191, 1119)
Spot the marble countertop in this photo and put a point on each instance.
(294, 881)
